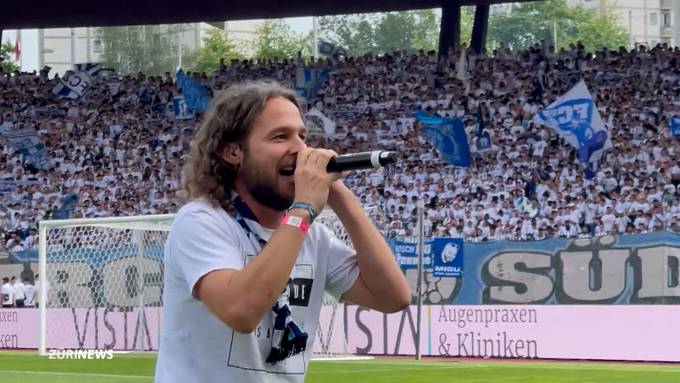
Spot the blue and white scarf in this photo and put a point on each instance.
(288, 338)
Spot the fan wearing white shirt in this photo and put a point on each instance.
(29, 293)
(18, 292)
(7, 294)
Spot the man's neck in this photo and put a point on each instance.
(266, 216)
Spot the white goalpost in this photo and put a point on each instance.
(101, 282)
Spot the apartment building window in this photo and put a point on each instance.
(97, 46)
(653, 18)
(666, 19)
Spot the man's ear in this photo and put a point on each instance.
(232, 154)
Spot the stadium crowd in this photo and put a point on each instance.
(120, 147)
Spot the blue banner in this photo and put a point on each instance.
(308, 81)
(407, 253)
(67, 205)
(27, 142)
(622, 269)
(447, 254)
(441, 256)
(675, 126)
(179, 106)
(483, 142)
(448, 136)
(194, 93)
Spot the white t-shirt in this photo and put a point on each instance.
(30, 294)
(7, 294)
(19, 291)
(195, 346)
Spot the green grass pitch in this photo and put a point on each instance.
(27, 367)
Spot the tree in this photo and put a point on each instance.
(6, 53)
(525, 24)
(383, 32)
(395, 32)
(216, 46)
(602, 31)
(467, 17)
(276, 40)
(426, 30)
(355, 33)
(150, 49)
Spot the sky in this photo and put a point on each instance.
(300, 24)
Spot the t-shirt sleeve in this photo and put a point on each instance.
(202, 242)
(343, 269)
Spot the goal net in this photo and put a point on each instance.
(101, 280)
(331, 339)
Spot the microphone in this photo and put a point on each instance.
(364, 160)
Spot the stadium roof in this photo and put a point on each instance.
(18, 14)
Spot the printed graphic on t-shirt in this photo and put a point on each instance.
(242, 347)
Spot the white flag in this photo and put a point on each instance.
(575, 117)
(315, 119)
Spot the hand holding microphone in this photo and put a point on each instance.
(312, 182)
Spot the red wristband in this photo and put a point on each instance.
(295, 222)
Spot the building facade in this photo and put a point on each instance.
(647, 22)
(61, 48)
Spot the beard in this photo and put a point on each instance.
(264, 190)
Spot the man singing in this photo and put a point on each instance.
(246, 267)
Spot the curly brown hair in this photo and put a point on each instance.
(227, 120)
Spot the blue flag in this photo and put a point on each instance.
(308, 81)
(447, 256)
(575, 117)
(675, 126)
(27, 142)
(68, 204)
(195, 95)
(448, 136)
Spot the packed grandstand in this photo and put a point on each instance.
(120, 148)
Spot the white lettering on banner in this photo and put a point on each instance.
(126, 274)
(414, 261)
(70, 284)
(78, 284)
(447, 269)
